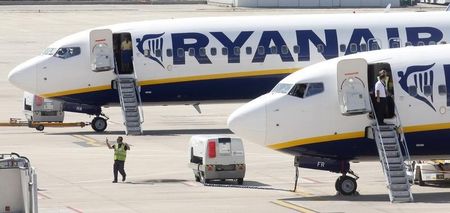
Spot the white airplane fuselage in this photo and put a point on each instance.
(313, 125)
(204, 60)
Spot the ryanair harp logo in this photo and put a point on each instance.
(418, 81)
(151, 46)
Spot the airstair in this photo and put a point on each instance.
(131, 103)
(390, 140)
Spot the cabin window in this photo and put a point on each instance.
(363, 47)
(420, 43)
(443, 42)
(282, 88)
(213, 51)
(284, 49)
(353, 48)
(273, 49)
(407, 44)
(202, 51)
(342, 47)
(180, 52)
(320, 48)
(191, 51)
(67, 52)
(169, 53)
(395, 42)
(306, 90)
(296, 49)
(261, 50)
(158, 53)
(427, 90)
(373, 45)
(248, 50)
(237, 50)
(224, 51)
(412, 91)
(442, 89)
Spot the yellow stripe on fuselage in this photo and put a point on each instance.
(353, 135)
(178, 80)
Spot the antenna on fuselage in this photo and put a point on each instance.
(388, 8)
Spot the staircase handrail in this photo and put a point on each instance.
(138, 94)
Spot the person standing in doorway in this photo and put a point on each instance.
(127, 54)
(380, 97)
(120, 154)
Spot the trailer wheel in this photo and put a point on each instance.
(40, 128)
(99, 124)
(240, 181)
(203, 179)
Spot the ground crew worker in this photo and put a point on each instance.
(120, 154)
(380, 97)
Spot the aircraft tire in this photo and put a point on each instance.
(346, 185)
(99, 124)
(240, 181)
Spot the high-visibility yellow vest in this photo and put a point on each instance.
(120, 153)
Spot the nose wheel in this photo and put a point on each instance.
(346, 185)
(99, 124)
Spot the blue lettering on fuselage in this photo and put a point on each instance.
(274, 43)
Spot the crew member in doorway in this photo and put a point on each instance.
(380, 96)
(127, 54)
(120, 154)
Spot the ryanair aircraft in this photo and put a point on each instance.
(206, 60)
(323, 114)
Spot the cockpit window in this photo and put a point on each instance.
(304, 90)
(67, 52)
(49, 51)
(282, 88)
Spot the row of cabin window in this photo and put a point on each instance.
(285, 50)
(427, 90)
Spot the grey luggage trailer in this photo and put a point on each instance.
(17, 122)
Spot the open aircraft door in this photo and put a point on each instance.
(101, 50)
(352, 85)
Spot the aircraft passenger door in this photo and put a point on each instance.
(352, 86)
(101, 50)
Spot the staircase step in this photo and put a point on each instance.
(396, 167)
(134, 104)
(129, 100)
(402, 199)
(133, 124)
(134, 129)
(132, 119)
(391, 147)
(399, 187)
(398, 180)
(399, 173)
(126, 80)
(386, 127)
(389, 141)
(127, 85)
(128, 90)
(132, 114)
(396, 160)
(129, 95)
(388, 134)
(131, 109)
(397, 194)
(392, 154)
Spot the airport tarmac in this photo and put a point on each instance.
(75, 167)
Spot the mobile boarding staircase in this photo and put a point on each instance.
(390, 140)
(131, 103)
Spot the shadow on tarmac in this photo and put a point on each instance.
(164, 132)
(433, 197)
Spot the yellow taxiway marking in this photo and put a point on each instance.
(303, 193)
(88, 140)
(293, 206)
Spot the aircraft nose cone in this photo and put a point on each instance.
(24, 76)
(249, 121)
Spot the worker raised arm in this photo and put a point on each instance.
(107, 144)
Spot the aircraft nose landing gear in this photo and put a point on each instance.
(99, 124)
(346, 185)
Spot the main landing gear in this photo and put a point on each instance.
(99, 124)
